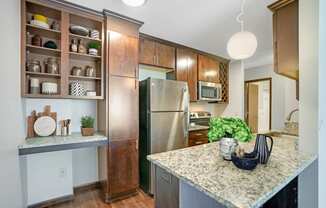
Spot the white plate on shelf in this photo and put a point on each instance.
(44, 126)
(40, 24)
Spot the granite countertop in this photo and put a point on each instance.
(202, 168)
(58, 143)
(197, 127)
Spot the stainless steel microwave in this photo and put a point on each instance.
(209, 91)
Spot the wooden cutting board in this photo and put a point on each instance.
(34, 116)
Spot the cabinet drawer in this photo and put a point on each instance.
(198, 134)
(197, 138)
(194, 142)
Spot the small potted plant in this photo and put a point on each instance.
(228, 131)
(93, 48)
(87, 125)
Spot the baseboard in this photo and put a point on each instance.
(52, 202)
(87, 187)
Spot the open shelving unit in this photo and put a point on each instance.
(65, 16)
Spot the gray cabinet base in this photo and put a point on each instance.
(191, 197)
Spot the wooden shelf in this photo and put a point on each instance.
(49, 33)
(41, 74)
(43, 50)
(65, 16)
(42, 96)
(56, 96)
(82, 56)
(85, 97)
(84, 77)
(84, 37)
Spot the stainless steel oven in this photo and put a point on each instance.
(209, 91)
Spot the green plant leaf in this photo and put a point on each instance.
(87, 122)
(236, 128)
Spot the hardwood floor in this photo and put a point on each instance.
(92, 199)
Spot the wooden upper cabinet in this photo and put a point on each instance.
(285, 35)
(147, 51)
(165, 56)
(187, 70)
(156, 54)
(208, 69)
(123, 55)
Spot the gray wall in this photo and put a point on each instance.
(308, 131)
(322, 101)
(11, 115)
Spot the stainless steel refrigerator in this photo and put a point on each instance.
(164, 120)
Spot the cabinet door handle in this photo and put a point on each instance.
(199, 142)
(135, 84)
(199, 134)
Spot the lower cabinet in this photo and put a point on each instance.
(166, 189)
(197, 137)
(286, 198)
(122, 167)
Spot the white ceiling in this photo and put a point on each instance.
(205, 25)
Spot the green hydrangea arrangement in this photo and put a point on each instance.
(229, 127)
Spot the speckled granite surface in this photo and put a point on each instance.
(202, 168)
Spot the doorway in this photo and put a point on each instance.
(258, 104)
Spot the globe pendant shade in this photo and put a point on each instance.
(242, 45)
(134, 3)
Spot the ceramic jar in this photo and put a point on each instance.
(37, 40)
(227, 147)
(34, 86)
(52, 66)
(74, 46)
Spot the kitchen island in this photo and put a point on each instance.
(206, 180)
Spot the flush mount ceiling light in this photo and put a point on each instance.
(242, 45)
(134, 3)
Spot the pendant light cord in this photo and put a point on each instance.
(239, 17)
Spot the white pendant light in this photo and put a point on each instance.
(242, 45)
(134, 3)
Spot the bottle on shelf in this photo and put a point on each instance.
(74, 46)
(81, 47)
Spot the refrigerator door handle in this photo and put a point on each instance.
(186, 128)
(185, 100)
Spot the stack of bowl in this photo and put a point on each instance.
(40, 21)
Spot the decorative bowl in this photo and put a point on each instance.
(50, 44)
(248, 162)
(40, 18)
(79, 30)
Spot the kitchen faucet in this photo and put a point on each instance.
(289, 117)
